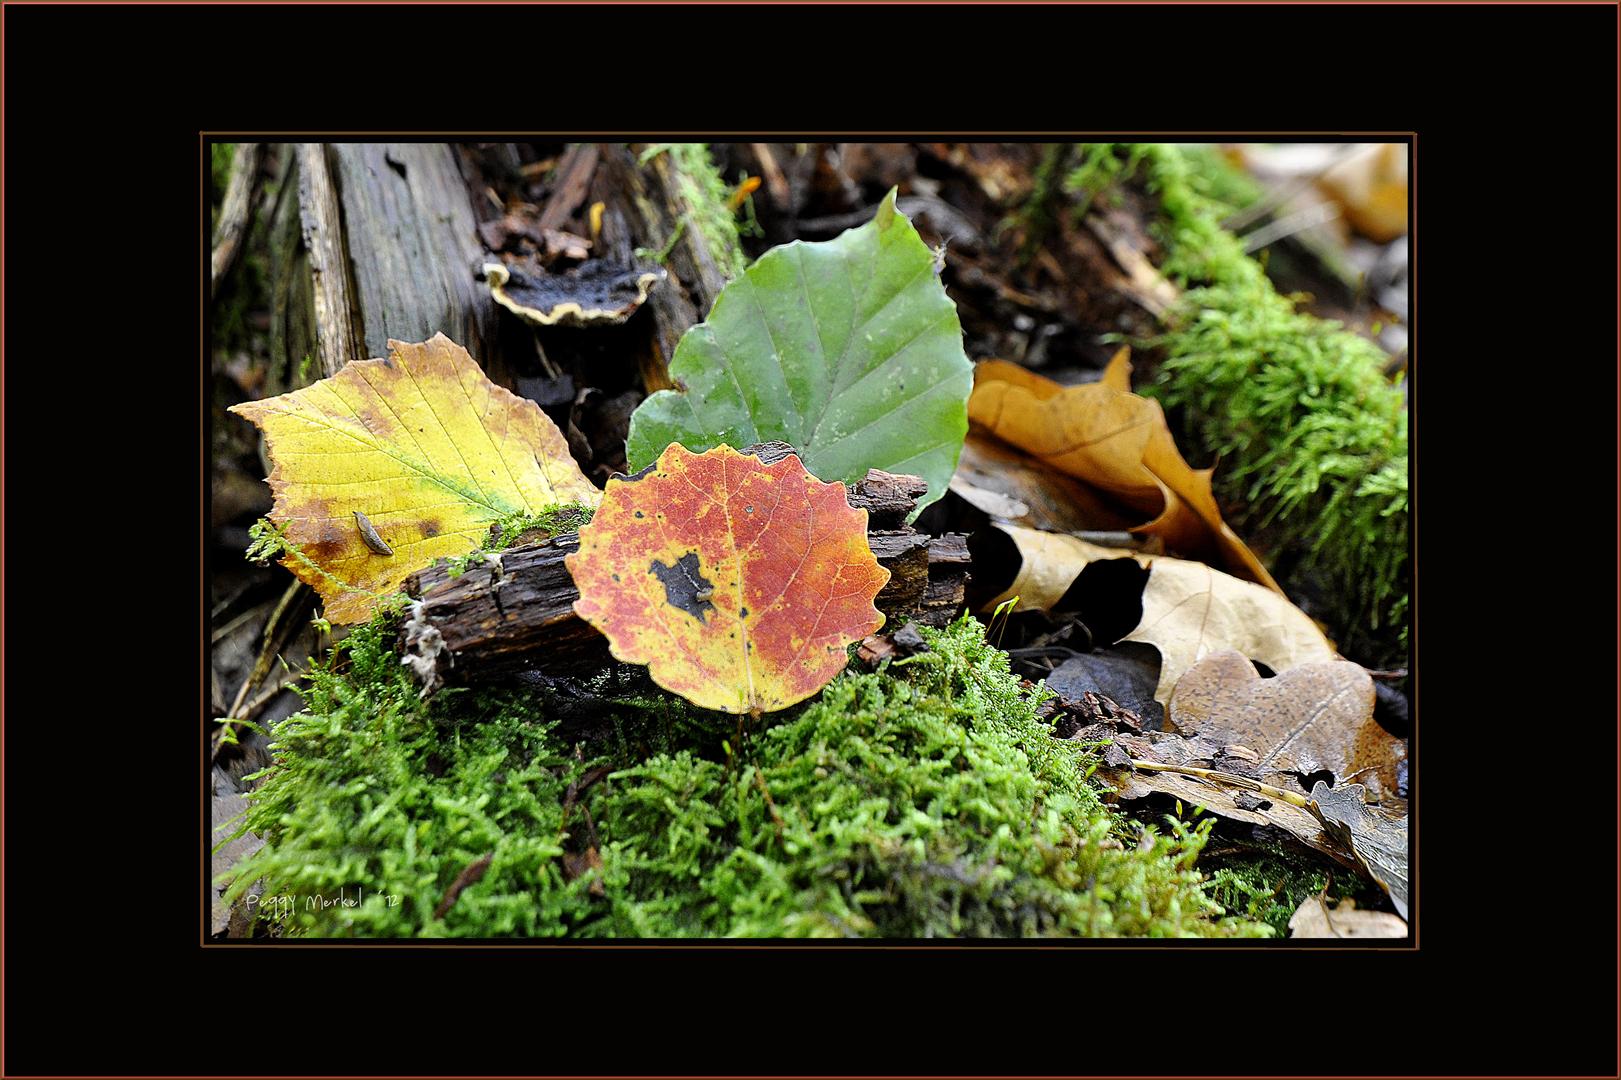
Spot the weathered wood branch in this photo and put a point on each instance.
(236, 215)
(515, 611)
(321, 224)
(381, 242)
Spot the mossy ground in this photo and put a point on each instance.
(1311, 436)
(925, 800)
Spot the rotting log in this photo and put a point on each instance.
(412, 237)
(380, 240)
(643, 206)
(372, 241)
(514, 611)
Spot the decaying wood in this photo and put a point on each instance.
(1123, 236)
(321, 222)
(644, 207)
(514, 612)
(380, 242)
(236, 214)
(574, 173)
(887, 498)
(412, 238)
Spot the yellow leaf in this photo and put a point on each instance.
(1189, 609)
(425, 447)
(1117, 442)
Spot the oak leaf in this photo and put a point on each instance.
(739, 584)
(1119, 443)
(1307, 719)
(425, 448)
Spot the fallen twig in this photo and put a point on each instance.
(469, 876)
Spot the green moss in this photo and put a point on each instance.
(706, 194)
(1312, 437)
(564, 517)
(1269, 885)
(220, 156)
(927, 800)
(1099, 169)
(375, 798)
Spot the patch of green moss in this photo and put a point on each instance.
(564, 517)
(1099, 169)
(1311, 435)
(220, 156)
(377, 799)
(927, 800)
(1270, 885)
(700, 185)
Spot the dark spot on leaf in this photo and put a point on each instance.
(748, 509)
(683, 583)
(616, 577)
(640, 514)
(742, 613)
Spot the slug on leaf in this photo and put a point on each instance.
(369, 534)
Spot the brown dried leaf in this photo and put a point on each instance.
(1189, 610)
(1005, 483)
(1377, 839)
(1307, 719)
(1118, 442)
(1314, 919)
(1226, 802)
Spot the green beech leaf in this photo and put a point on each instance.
(848, 350)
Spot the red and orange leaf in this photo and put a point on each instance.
(425, 447)
(739, 584)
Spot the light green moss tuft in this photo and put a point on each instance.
(702, 189)
(1311, 435)
(928, 800)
